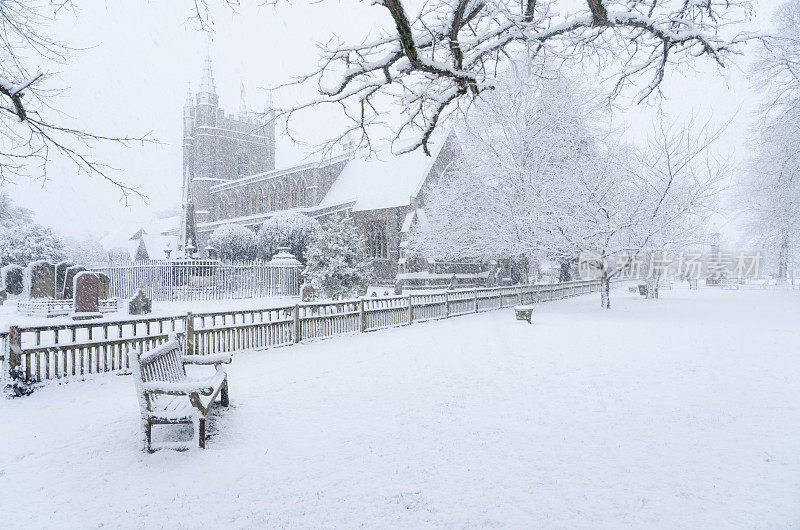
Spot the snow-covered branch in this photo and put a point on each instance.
(440, 59)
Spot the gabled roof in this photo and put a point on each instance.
(383, 179)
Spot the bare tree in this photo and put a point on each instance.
(777, 68)
(31, 133)
(769, 191)
(541, 176)
(438, 59)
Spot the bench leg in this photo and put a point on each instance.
(224, 394)
(201, 433)
(148, 436)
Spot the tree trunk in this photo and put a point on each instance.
(783, 259)
(605, 288)
(652, 287)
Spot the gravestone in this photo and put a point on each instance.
(398, 287)
(452, 285)
(69, 279)
(86, 304)
(307, 292)
(12, 279)
(105, 286)
(40, 280)
(139, 304)
(61, 273)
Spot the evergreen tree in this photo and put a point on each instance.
(336, 262)
(234, 242)
(290, 229)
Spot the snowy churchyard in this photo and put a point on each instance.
(399, 264)
(680, 413)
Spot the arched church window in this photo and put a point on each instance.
(376, 239)
(293, 195)
(302, 198)
(280, 197)
(252, 204)
(271, 198)
(242, 162)
(259, 201)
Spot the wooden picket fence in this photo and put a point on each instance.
(73, 350)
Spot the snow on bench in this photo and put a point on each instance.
(167, 395)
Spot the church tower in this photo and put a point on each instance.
(219, 147)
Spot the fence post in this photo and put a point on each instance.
(476, 299)
(446, 304)
(296, 323)
(189, 333)
(501, 296)
(362, 319)
(410, 310)
(14, 349)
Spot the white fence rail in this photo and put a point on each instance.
(201, 280)
(60, 351)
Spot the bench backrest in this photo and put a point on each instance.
(162, 363)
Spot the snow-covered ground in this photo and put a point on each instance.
(677, 413)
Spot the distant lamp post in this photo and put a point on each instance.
(211, 252)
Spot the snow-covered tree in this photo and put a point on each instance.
(235, 242)
(33, 131)
(22, 240)
(119, 256)
(21, 244)
(86, 251)
(437, 57)
(289, 229)
(769, 190)
(541, 176)
(336, 262)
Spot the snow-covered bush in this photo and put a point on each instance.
(234, 242)
(25, 242)
(336, 262)
(288, 229)
(119, 256)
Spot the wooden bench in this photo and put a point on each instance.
(524, 312)
(167, 395)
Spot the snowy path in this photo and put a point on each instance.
(683, 412)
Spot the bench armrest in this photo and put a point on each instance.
(214, 358)
(204, 387)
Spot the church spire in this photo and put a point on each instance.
(242, 102)
(189, 101)
(207, 79)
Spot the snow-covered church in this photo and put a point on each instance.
(230, 177)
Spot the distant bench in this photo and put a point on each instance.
(167, 395)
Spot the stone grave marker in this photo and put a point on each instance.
(69, 279)
(105, 286)
(86, 287)
(139, 304)
(61, 273)
(40, 280)
(12, 279)
(307, 292)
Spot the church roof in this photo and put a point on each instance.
(381, 180)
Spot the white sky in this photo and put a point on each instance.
(137, 58)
